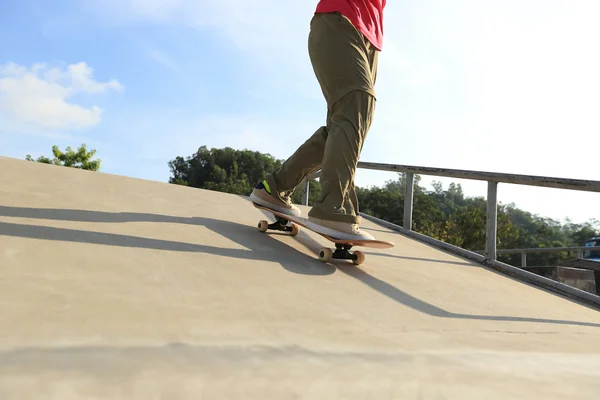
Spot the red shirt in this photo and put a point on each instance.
(365, 15)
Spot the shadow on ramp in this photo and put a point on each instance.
(407, 300)
(244, 235)
(261, 247)
(429, 260)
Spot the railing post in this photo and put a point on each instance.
(305, 193)
(492, 220)
(523, 259)
(408, 200)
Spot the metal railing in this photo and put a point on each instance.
(492, 179)
(577, 263)
(579, 249)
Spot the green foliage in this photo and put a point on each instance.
(449, 216)
(81, 159)
(314, 191)
(446, 215)
(225, 170)
(229, 170)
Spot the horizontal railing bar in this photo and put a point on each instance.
(493, 178)
(542, 250)
(314, 176)
(529, 180)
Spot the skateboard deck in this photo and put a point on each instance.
(289, 223)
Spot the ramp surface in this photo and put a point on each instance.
(118, 288)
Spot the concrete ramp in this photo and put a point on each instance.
(118, 288)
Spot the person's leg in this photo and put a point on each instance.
(337, 207)
(306, 160)
(276, 190)
(346, 65)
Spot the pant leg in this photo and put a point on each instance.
(350, 123)
(342, 58)
(306, 160)
(352, 199)
(343, 61)
(345, 64)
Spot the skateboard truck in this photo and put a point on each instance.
(281, 224)
(342, 252)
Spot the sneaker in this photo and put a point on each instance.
(338, 230)
(262, 196)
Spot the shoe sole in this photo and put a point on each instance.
(335, 234)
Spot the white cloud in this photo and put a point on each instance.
(41, 96)
(226, 14)
(163, 59)
(258, 24)
(538, 87)
(271, 35)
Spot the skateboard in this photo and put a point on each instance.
(290, 223)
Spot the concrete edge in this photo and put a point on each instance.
(517, 273)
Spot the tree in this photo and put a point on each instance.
(231, 171)
(226, 170)
(81, 159)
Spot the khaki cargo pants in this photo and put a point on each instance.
(345, 64)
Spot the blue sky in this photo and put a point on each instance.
(504, 86)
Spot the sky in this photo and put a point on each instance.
(503, 86)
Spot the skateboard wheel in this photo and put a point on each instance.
(358, 257)
(295, 230)
(325, 254)
(263, 226)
